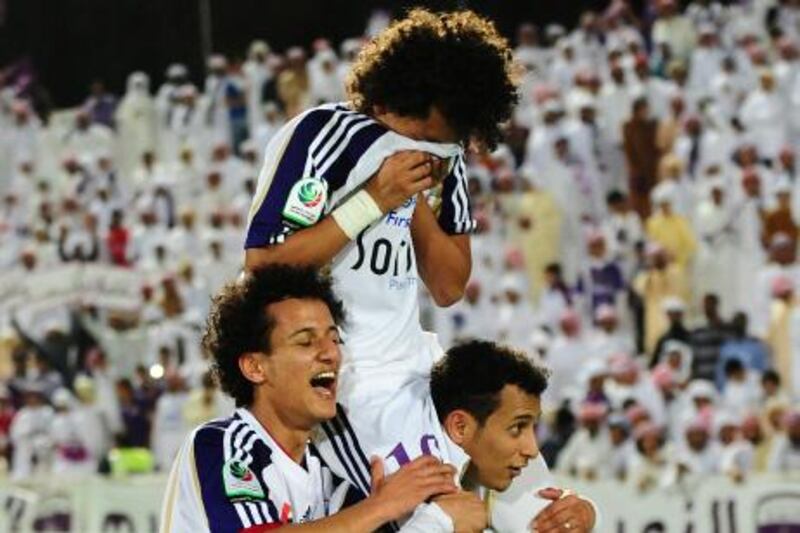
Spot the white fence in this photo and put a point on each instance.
(712, 505)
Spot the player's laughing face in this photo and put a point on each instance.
(502, 447)
(303, 365)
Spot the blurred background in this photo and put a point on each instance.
(637, 233)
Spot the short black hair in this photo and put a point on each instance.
(615, 196)
(771, 375)
(733, 366)
(471, 376)
(238, 322)
(457, 61)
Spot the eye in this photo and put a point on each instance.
(516, 430)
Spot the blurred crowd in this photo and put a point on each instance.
(637, 233)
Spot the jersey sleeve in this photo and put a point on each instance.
(284, 165)
(455, 215)
(182, 508)
(197, 499)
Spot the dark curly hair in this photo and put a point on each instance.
(239, 322)
(471, 376)
(456, 61)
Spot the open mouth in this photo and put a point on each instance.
(324, 383)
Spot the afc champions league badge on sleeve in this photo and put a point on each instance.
(306, 201)
(240, 482)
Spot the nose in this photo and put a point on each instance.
(330, 352)
(530, 448)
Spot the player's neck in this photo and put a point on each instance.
(292, 440)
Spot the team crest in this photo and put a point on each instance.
(306, 201)
(240, 482)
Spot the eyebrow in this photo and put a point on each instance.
(525, 418)
(312, 331)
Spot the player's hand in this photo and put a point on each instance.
(467, 511)
(400, 177)
(568, 512)
(413, 484)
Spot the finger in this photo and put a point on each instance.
(418, 172)
(550, 493)
(413, 158)
(376, 472)
(422, 462)
(558, 519)
(421, 185)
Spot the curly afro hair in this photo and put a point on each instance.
(456, 61)
(239, 322)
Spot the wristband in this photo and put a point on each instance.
(356, 214)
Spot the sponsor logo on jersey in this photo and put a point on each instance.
(240, 482)
(306, 202)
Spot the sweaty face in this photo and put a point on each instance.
(502, 447)
(303, 364)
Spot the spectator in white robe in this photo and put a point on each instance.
(587, 451)
(742, 392)
(257, 72)
(718, 246)
(71, 454)
(736, 454)
(764, 115)
(606, 338)
(87, 138)
(630, 382)
(514, 316)
(615, 101)
(785, 453)
(567, 353)
(653, 464)
(167, 97)
(674, 28)
(782, 262)
(169, 428)
(136, 121)
(324, 82)
(185, 124)
(539, 152)
(471, 317)
(575, 194)
(215, 267)
(185, 239)
(622, 447)
(588, 142)
(750, 257)
(215, 92)
(30, 436)
(623, 229)
(19, 140)
(268, 127)
(706, 59)
(698, 453)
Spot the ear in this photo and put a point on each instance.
(252, 368)
(460, 426)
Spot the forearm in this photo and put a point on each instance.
(444, 261)
(365, 516)
(315, 246)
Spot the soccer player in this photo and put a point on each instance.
(343, 185)
(274, 336)
(478, 412)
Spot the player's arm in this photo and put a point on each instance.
(400, 177)
(393, 497)
(442, 244)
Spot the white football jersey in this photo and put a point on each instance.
(313, 164)
(231, 475)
